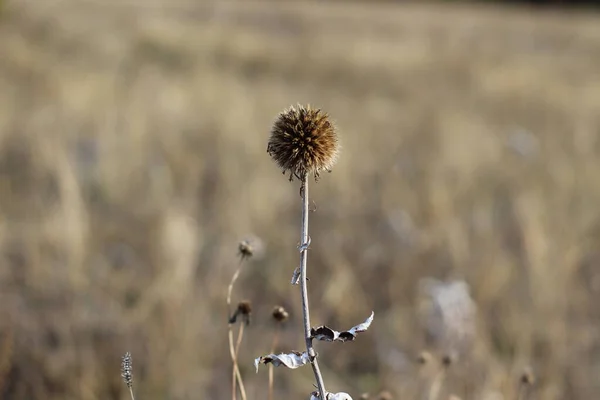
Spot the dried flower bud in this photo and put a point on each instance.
(448, 359)
(244, 309)
(280, 314)
(250, 247)
(127, 370)
(303, 141)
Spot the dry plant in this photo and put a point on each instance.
(304, 141)
(280, 315)
(246, 249)
(127, 373)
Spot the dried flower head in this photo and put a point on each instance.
(249, 247)
(303, 141)
(127, 370)
(449, 359)
(244, 309)
(280, 314)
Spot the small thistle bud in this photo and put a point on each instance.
(127, 370)
(244, 309)
(303, 141)
(250, 247)
(280, 314)
(448, 359)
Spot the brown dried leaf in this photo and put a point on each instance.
(292, 360)
(331, 396)
(327, 334)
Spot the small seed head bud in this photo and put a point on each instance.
(280, 314)
(303, 141)
(127, 370)
(251, 246)
(448, 359)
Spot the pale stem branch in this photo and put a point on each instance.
(304, 290)
(236, 376)
(273, 347)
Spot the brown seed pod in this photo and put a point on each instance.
(303, 141)
(244, 309)
(280, 314)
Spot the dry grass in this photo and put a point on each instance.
(133, 158)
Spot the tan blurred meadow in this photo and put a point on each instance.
(133, 160)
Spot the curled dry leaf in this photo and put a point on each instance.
(331, 396)
(292, 360)
(329, 335)
(296, 276)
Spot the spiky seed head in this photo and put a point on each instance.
(303, 141)
(280, 314)
(127, 370)
(251, 246)
(245, 249)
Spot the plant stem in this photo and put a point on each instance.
(303, 284)
(131, 393)
(236, 376)
(273, 347)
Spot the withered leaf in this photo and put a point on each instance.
(331, 396)
(327, 334)
(292, 360)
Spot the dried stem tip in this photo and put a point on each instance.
(303, 141)
(127, 370)
(280, 314)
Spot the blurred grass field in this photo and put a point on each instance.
(133, 159)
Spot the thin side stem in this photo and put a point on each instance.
(436, 386)
(131, 393)
(236, 375)
(239, 340)
(304, 289)
(273, 346)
